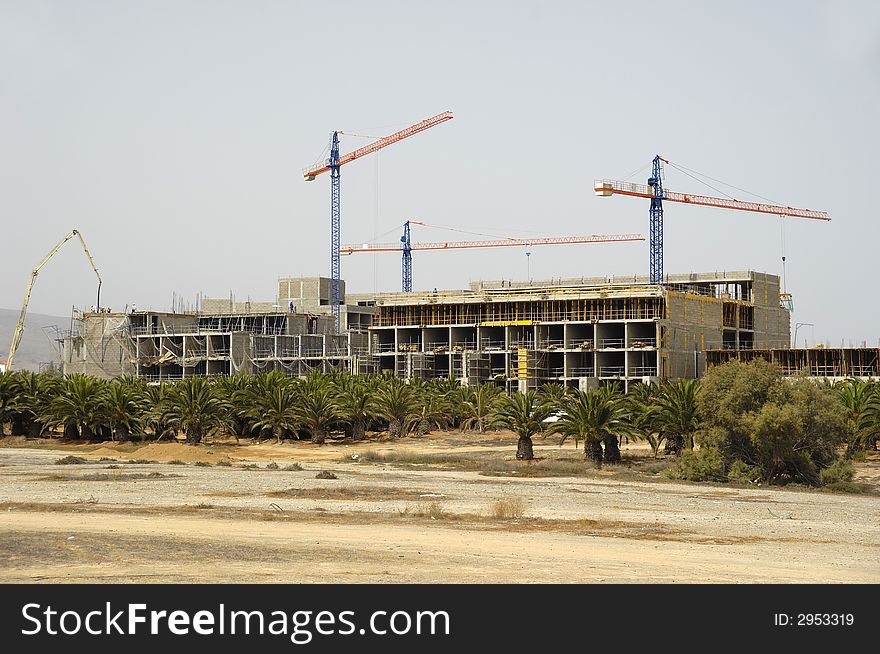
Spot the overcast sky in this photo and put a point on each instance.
(173, 134)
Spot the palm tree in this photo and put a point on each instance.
(317, 411)
(553, 394)
(355, 402)
(522, 414)
(80, 406)
(677, 415)
(861, 401)
(642, 413)
(154, 400)
(247, 392)
(276, 410)
(124, 407)
(597, 417)
(435, 412)
(396, 402)
(478, 406)
(34, 393)
(195, 407)
(8, 397)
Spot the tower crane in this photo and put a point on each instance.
(406, 246)
(655, 191)
(332, 165)
(19, 329)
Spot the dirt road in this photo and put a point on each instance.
(160, 522)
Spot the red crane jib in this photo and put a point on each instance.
(607, 187)
(506, 242)
(385, 141)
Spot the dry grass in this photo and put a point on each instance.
(435, 513)
(103, 476)
(370, 493)
(495, 464)
(508, 508)
(434, 510)
(326, 474)
(70, 460)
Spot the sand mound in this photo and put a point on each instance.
(162, 452)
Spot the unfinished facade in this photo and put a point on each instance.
(827, 363)
(579, 332)
(224, 338)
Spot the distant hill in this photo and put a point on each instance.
(35, 347)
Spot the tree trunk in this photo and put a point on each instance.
(35, 428)
(593, 451)
(358, 430)
(86, 432)
(18, 428)
(524, 449)
(395, 427)
(424, 427)
(612, 448)
(121, 432)
(319, 435)
(674, 445)
(193, 435)
(71, 431)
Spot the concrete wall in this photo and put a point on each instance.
(221, 305)
(308, 294)
(102, 349)
(772, 321)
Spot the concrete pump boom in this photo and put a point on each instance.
(19, 329)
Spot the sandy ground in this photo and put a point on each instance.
(378, 522)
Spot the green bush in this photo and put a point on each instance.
(839, 471)
(743, 472)
(705, 464)
(790, 429)
(843, 487)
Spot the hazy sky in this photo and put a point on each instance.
(173, 135)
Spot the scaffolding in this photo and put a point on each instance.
(809, 362)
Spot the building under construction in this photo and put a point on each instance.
(579, 332)
(825, 362)
(293, 334)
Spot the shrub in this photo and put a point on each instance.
(70, 460)
(743, 472)
(326, 474)
(177, 462)
(839, 471)
(293, 467)
(790, 429)
(843, 487)
(507, 509)
(272, 466)
(203, 464)
(433, 510)
(705, 464)
(224, 462)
